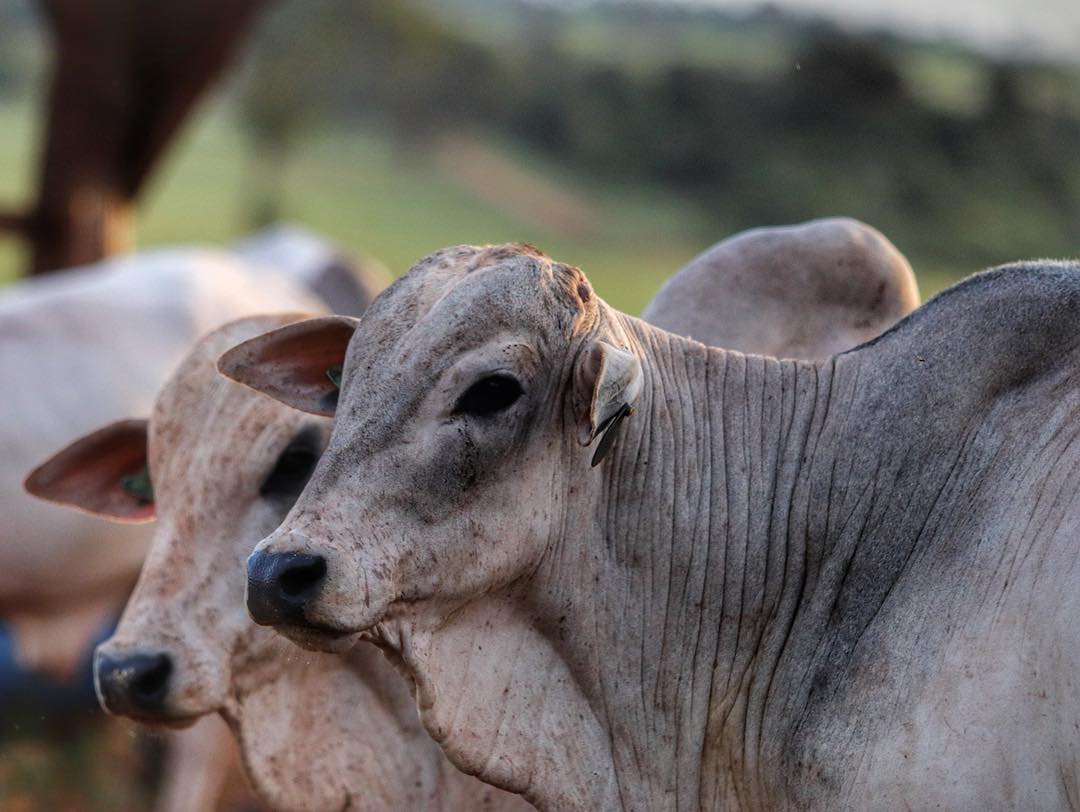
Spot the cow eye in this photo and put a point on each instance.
(489, 395)
(292, 469)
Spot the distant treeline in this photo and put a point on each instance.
(837, 130)
(835, 126)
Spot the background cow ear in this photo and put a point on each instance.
(606, 379)
(299, 364)
(104, 473)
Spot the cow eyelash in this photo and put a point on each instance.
(489, 395)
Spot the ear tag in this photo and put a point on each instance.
(334, 374)
(139, 485)
(608, 431)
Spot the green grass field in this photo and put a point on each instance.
(394, 204)
(373, 196)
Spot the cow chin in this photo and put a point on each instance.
(177, 712)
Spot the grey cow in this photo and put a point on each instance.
(843, 584)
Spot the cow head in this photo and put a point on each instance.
(218, 467)
(469, 392)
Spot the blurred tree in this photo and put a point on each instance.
(125, 75)
(799, 118)
(1004, 105)
(321, 59)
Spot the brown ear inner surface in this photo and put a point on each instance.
(87, 474)
(293, 364)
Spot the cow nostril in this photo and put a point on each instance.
(302, 577)
(281, 585)
(149, 686)
(133, 684)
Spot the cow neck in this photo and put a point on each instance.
(631, 641)
(697, 545)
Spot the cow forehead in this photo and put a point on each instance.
(462, 297)
(199, 412)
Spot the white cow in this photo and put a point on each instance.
(317, 731)
(85, 347)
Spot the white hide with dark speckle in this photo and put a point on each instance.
(842, 584)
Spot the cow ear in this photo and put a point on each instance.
(607, 381)
(299, 364)
(104, 473)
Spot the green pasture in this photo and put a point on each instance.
(398, 202)
(387, 201)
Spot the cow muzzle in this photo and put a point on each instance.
(135, 684)
(281, 586)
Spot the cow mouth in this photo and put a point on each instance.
(168, 721)
(318, 637)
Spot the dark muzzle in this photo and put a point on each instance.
(133, 684)
(281, 585)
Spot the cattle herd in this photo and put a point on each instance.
(481, 541)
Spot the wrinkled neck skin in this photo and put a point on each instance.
(615, 675)
(327, 731)
(844, 585)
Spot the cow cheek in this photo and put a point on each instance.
(446, 477)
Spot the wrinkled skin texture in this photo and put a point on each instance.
(848, 584)
(804, 291)
(317, 731)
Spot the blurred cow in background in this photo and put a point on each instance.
(803, 291)
(89, 346)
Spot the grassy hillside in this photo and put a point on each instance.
(355, 185)
(397, 205)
